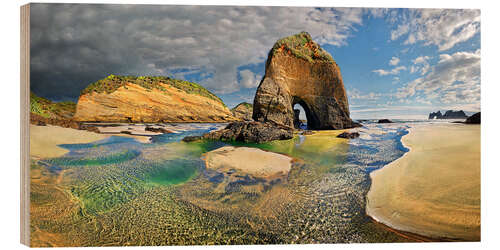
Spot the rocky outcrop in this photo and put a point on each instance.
(247, 132)
(450, 114)
(474, 119)
(348, 135)
(384, 121)
(65, 123)
(435, 115)
(149, 99)
(296, 119)
(299, 71)
(243, 111)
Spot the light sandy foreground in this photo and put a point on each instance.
(44, 139)
(434, 189)
(256, 162)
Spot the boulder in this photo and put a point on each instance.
(348, 135)
(299, 71)
(251, 132)
(384, 121)
(474, 119)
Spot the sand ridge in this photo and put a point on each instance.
(434, 189)
(44, 139)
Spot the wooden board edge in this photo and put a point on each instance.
(25, 121)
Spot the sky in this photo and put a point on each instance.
(395, 63)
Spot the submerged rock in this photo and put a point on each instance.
(474, 119)
(192, 138)
(299, 71)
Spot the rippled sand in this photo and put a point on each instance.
(434, 189)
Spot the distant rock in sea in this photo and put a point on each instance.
(474, 119)
(450, 114)
(149, 99)
(435, 115)
(384, 121)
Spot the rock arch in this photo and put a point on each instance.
(299, 71)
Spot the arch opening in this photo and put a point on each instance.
(303, 117)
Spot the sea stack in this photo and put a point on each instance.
(299, 71)
(149, 99)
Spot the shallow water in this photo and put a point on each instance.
(154, 194)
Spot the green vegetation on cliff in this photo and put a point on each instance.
(113, 82)
(49, 109)
(245, 104)
(302, 46)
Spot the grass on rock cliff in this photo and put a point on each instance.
(49, 109)
(245, 104)
(113, 82)
(302, 46)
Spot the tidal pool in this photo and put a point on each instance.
(118, 191)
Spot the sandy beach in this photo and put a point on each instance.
(256, 162)
(434, 189)
(44, 139)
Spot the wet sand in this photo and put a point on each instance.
(44, 139)
(256, 162)
(434, 189)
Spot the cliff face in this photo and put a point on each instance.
(299, 71)
(149, 99)
(243, 111)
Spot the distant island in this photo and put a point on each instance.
(450, 114)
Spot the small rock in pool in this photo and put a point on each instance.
(348, 135)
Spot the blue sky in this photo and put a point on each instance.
(395, 63)
(376, 66)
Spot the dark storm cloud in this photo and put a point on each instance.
(73, 45)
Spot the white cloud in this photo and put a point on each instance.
(355, 94)
(249, 79)
(88, 42)
(394, 71)
(421, 64)
(441, 27)
(394, 61)
(455, 79)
